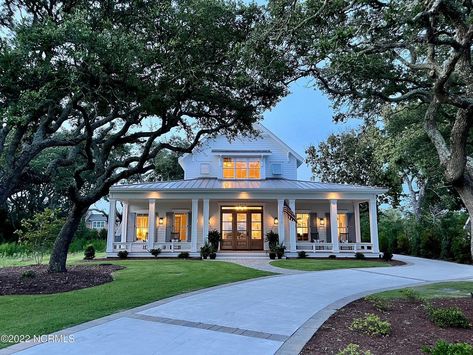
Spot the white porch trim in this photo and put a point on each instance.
(334, 225)
(281, 224)
(151, 223)
(292, 228)
(374, 224)
(195, 219)
(205, 222)
(124, 231)
(112, 216)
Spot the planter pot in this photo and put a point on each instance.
(213, 256)
(272, 256)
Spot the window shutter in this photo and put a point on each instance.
(327, 228)
(189, 226)
(169, 225)
(351, 228)
(314, 234)
(130, 235)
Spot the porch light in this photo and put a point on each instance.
(161, 221)
(276, 221)
(322, 222)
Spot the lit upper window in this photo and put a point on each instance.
(241, 168)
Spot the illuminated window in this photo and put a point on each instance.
(241, 168)
(302, 226)
(142, 227)
(180, 226)
(342, 223)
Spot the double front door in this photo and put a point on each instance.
(242, 228)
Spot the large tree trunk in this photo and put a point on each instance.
(466, 194)
(57, 262)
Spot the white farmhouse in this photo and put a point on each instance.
(243, 188)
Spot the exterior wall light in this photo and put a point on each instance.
(322, 222)
(161, 221)
(276, 221)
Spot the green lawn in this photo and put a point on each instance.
(451, 289)
(142, 281)
(72, 258)
(325, 264)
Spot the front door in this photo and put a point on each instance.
(242, 228)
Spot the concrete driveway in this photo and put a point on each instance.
(263, 316)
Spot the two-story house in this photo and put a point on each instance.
(243, 188)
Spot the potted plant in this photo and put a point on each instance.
(212, 254)
(155, 252)
(272, 255)
(214, 238)
(280, 247)
(205, 250)
(272, 239)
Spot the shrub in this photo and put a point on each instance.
(39, 232)
(302, 254)
(89, 252)
(411, 294)
(205, 250)
(214, 238)
(28, 274)
(443, 348)
(183, 255)
(359, 255)
(280, 248)
(450, 317)
(379, 303)
(272, 239)
(353, 349)
(332, 256)
(155, 252)
(122, 254)
(371, 324)
(387, 256)
(12, 249)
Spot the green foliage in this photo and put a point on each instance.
(371, 324)
(183, 255)
(12, 249)
(411, 294)
(28, 274)
(359, 255)
(89, 252)
(280, 249)
(353, 349)
(122, 254)
(38, 233)
(155, 252)
(272, 239)
(442, 347)
(214, 238)
(205, 250)
(85, 236)
(450, 317)
(379, 303)
(302, 254)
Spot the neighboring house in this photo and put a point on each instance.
(95, 220)
(243, 188)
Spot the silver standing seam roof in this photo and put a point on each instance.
(212, 184)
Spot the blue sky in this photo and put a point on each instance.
(303, 118)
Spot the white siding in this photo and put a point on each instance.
(212, 163)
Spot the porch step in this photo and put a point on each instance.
(241, 255)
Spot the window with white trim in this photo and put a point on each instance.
(98, 224)
(241, 168)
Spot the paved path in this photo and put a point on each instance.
(264, 316)
(262, 264)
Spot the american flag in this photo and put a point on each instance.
(290, 213)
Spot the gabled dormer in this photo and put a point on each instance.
(245, 158)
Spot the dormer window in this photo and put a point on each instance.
(241, 168)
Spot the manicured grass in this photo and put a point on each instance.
(453, 289)
(325, 264)
(142, 281)
(72, 258)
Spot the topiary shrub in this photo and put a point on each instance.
(371, 324)
(443, 348)
(28, 274)
(302, 254)
(122, 254)
(359, 255)
(89, 252)
(155, 252)
(387, 256)
(450, 317)
(183, 255)
(353, 349)
(332, 256)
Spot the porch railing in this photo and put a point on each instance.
(131, 247)
(142, 247)
(173, 246)
(318, 247)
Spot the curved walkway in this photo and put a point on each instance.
(262, 316)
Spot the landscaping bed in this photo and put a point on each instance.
(411, 328)
(30, 280)
(319, 264)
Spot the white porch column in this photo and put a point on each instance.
(281, 230)
(205, 225)
(292, 228)
(374, 225)
(112, 216)
(334, 225)
(356, 210)
(195, 218)
(151, 223)
(124, 222)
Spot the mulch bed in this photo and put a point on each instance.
(411, 329)
(13, 281)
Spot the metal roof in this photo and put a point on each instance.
(212, 184)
